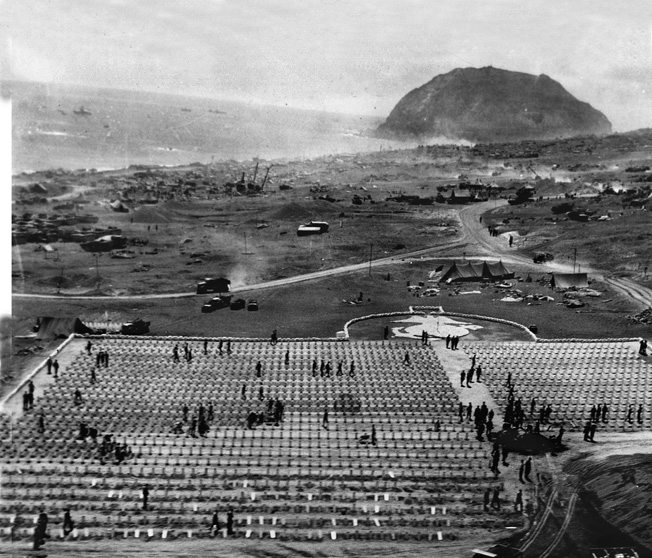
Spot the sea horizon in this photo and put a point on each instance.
(75, 128)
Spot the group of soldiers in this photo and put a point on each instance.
(639, 414)
(102, 359)
(40, 531)
(452, 342)
(52, 365)
(325, 368)
(467, 376)
(108, 448)
(187, 350)
(274, 414)
(216, 525)
(199, 423)
(28, 397)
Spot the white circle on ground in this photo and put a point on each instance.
(435, 325)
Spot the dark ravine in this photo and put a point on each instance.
(490, 104)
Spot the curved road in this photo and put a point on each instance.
(477, 235)
(473, 235)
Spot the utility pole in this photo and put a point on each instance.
(371, 249)
(574, 258)
(60, 280)
(97, 269)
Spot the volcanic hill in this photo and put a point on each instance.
(490, 104)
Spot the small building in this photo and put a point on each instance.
(213, 285)
(307, 230)
(569, 281)
(322, 225)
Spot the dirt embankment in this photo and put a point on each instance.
(616, 498)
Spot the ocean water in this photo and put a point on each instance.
(69, 127)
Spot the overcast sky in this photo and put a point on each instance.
(359, 56)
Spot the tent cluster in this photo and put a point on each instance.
(481, 271)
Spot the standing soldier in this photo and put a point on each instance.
(229, 522)
(215, 524)
(145, 496)
(40, 532)
(68, 524)
(469, 377)
(630, 411)
(30, 390)
(495, 500)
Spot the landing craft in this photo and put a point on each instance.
(81, 111)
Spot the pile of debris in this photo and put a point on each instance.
(644, 317)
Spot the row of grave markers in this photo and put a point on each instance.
(151, 533)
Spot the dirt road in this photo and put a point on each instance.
(474, 236)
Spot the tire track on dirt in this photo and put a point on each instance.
(562, 530)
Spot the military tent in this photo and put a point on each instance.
(569, 281)
(468, 271)
(52, 328)
(497, 271)
(118, 206)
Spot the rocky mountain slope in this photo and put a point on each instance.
(490, 104)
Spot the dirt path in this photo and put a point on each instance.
(473, 235)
